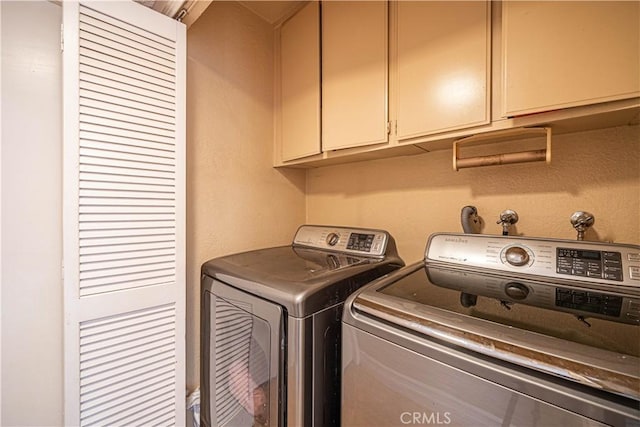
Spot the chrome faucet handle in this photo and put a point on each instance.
(507, 219)
(581, 221)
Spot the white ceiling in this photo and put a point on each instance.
(272, 11)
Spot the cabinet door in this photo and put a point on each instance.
(563, 54)
(300, 83)
(443, 65)
(354, 73)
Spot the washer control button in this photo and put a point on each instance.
(333, 239)
(516, 290)
(516, 255)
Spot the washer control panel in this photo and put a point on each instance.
(621, 305)
(568, 259)
(342, 239)
(590, 263)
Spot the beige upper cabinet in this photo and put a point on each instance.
(299, 129)
(560, 54)
(443, 66)
(354, 73)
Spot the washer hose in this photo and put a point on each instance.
(469, 220)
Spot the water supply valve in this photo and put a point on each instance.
(581, 221)
(507, 219)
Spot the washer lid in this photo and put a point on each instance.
(478, 312)
(302, 280)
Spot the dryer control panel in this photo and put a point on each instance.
(357, 241)
(612, 263)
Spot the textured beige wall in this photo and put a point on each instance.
(412, 197)
(236, 200)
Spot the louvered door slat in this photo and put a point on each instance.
(138, 191)
(124, 62)
(124, 67)
(113, 83)
(91, 397)
(162, 343)
(120, 206)
(113, 350)
(123, 377)
(92, 272)
(136, 317)
(89, 25)
(107, 111)
(126, 414)
(126, 210)
(112, 73)
(137, 248)
(107, 144)
(126, 104)
(106, 121)
(117, 106)
(141, 390)
(126, 277)
(122, 281)
(94, 90)
(127, 284)
(124, 215)
(104, 188)
(134, 146)
(90, 150)
(127, 166)
(154, 39)
(134, 54)
(113, 373)
(122, 245)
(124, 133)
(108, 338)
(127, 262)
(130, 256)
(99, 176)
(120, 197)
(92, 215)
(114, 172)
(124, 225)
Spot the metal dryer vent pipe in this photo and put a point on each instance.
(470, 220)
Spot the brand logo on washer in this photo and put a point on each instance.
(456, 240)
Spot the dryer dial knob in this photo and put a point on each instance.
(517, 256)
(333, 239)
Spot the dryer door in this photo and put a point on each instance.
(242, 358)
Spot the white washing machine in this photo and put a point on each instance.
(271, 326)
(497, 330)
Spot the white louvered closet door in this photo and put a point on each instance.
(124, 215)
